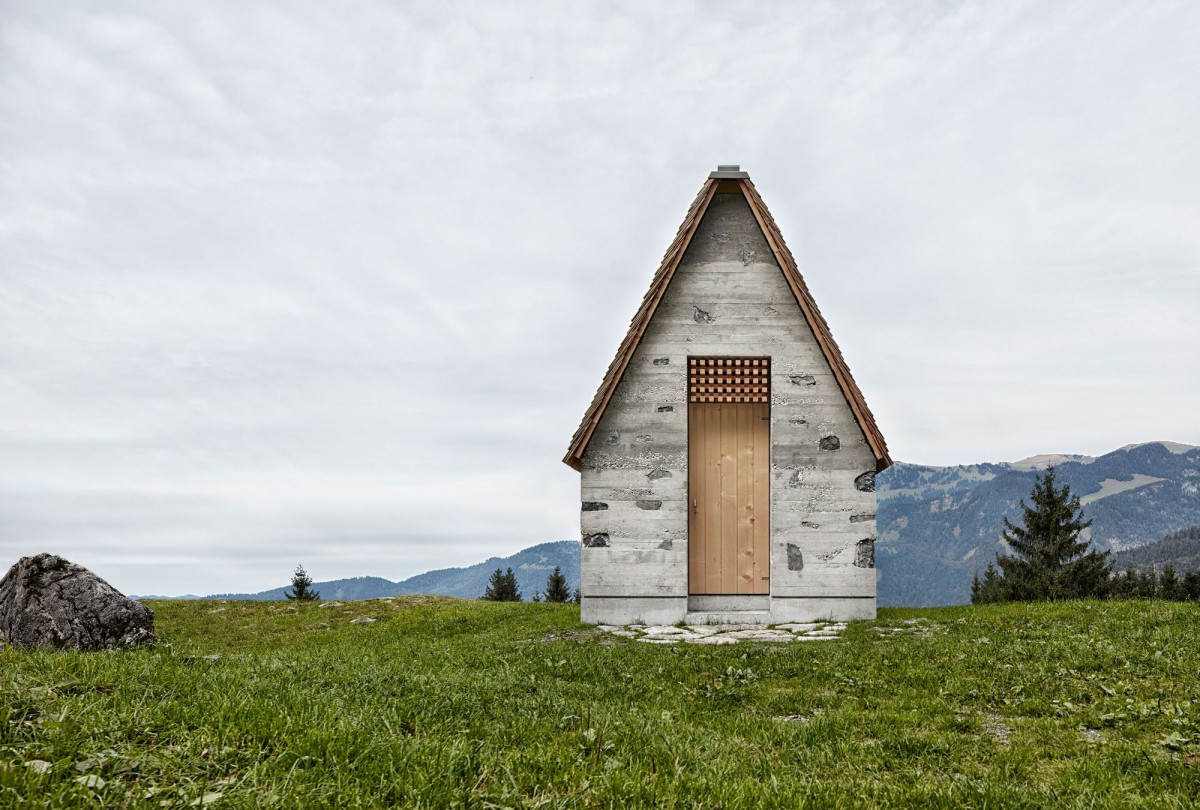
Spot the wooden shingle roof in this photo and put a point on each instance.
(725, 182)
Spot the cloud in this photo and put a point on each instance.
(290, 280)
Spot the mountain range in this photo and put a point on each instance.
(531, 567)
(940, 525)
(937, 525)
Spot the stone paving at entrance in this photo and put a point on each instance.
(727, 633)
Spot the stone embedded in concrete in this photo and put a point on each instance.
(597, 540)
(830, 443)
(667, 545)
(865, 482)
(661, 361)
(808, 524)
(796, 479)
(665, 409)
(863, 518)
(796, 420)
(795, 558)
(613, 438)
(802, 379)
(864, 553)
(700, 316)
(720, 236)
(643, 438)
(593, 506)
(657, 474)
(47, 601)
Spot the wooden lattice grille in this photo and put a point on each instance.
(729, 379)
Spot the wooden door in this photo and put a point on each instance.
(729, 448)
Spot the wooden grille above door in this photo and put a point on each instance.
(729, 379)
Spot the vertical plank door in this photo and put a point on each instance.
(728, 478)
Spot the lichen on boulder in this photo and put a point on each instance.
(47, 601)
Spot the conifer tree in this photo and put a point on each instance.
(1170, 587)
(301, 586)
(556, 587)
(1147, 584)
(1191, 585)
(1051, 562)
(991, 588)
(1124, 585)
(502, 587)
(577, 597)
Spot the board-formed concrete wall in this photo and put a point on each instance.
(727, 297)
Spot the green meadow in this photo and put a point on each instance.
(447, 703)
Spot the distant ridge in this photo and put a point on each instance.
(531, 566)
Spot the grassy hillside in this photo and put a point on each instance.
(470, 704)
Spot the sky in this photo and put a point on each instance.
(334, 283)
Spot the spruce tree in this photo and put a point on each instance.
(496, 587)
(1124, 585)
(502, 587)
(1050, 562)
(301, 586)
(511, 586)
(1191, 585)
(1170, 587)
(990, 588)
(1147, 584)
(556, 587)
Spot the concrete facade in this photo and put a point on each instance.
(728, 297)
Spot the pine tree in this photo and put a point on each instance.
(1051, 562)
(577, 597)
(502, 587)
(301, 586)
(556, 587)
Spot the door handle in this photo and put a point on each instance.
(694, 504)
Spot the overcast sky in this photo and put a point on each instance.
(333, 283)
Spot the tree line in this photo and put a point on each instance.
(502, 587)
(1051, 561)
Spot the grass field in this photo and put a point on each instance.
(443, 703)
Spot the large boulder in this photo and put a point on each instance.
(46, 601)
